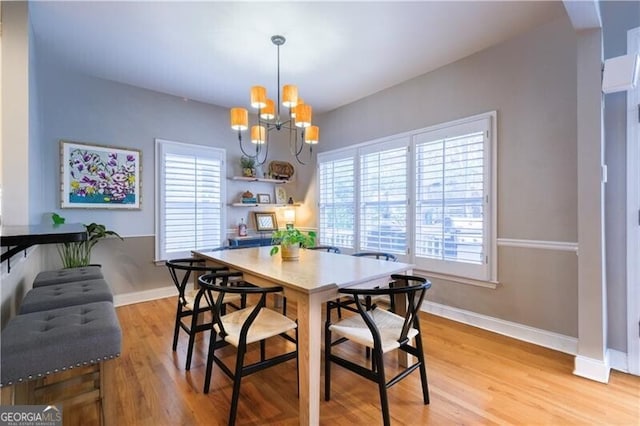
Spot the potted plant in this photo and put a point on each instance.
(78, 254)
(290, 240)
(248, 165)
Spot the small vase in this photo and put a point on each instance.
(290, 252)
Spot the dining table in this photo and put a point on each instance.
(309, 281)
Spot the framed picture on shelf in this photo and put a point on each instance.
(265, 221)
(99, 177)
(281, 195)
(264, 199)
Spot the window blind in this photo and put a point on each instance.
(337, 201)
(383, 199)
(450, 197)
(191, 200)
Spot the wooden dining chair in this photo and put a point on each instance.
(381, 331)
(190, 303)
(240, 328)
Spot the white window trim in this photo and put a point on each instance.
(491, 280)
(159, 145)
(633, 206)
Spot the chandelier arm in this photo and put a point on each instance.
(293, 147)
(266, 151)
(245, 152)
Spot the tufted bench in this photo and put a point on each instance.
(68, 294)
(40, 344)
(62, 276)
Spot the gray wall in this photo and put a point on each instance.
(617, 19)
(81, 108)
(531, 81)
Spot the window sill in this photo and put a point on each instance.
(458, 280)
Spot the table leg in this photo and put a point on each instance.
(309, 353)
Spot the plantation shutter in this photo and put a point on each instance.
(384, 197)
(336, 199)
(191, 199)
(451, 199)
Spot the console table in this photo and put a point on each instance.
(253, 241)
(21, 237)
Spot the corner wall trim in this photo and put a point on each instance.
(593, 369)
(525, 333)
(143, 296)
(618, 360)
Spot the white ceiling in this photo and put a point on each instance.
(335, 52)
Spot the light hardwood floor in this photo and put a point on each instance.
(475, 377)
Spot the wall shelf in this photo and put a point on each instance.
(256, 179)
(264, 205)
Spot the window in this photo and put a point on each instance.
(337, 201)
(452, 195)
(428, 193)
(189, 202)
(383, 197)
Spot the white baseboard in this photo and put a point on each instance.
(144, 296)
(593, 369)
(618, 360)
(525, 333)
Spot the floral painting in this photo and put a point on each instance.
(95, 176)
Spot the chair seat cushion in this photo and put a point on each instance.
(42, 343)
(388, 323)
(267, 324)
(61, 276)
(62, 295)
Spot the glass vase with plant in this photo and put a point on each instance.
(77, 254)
(291, 240)
(248, 165)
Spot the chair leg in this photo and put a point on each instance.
(176, 329)
(327, 360)
(192, 338)
(237, 378)
(423, 369)
(212, 344)
(262, 350)
(382, 385)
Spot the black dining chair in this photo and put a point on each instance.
(347, 303)
(240, 328)
(381, 331)
(190, 303)
(328, 249)
(377, 255)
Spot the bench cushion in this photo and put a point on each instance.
(61, 276)
(42, 343)
(69, 294)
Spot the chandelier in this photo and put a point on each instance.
(297, 122)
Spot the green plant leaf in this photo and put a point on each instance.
(57, 219)
(274, 250)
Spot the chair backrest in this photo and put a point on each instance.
(181, 269)
(216, 285)
(378, 255)
(328, 249)
(412, 287)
